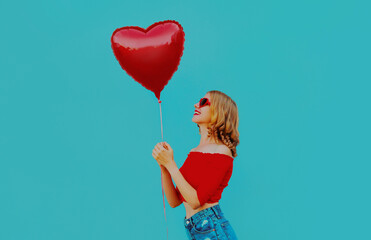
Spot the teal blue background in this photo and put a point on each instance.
(77, 133)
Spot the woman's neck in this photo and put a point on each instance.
(205, 140)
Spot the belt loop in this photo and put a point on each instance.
(215, 212)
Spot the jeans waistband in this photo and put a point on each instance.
(214, 210)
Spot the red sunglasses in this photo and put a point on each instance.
(204, 102)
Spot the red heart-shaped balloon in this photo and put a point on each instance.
(150, 56)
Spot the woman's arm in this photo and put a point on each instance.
(172, 197)
(187, 191)
(164, 156)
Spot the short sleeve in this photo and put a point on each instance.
(216, 172)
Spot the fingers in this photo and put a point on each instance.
(161, 146)
(156, 151)
(165, 146)
(158, 145)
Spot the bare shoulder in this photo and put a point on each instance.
(209, 148)
(223, 149)
(213, 148)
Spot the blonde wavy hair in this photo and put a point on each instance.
(224, 120)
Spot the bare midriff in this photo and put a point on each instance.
(190, 211)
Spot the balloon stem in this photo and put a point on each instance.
(162, 134)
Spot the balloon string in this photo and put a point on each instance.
(162, 134)
(163, 198)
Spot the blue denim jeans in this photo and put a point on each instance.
(209, 224)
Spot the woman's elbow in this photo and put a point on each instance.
(176, 204)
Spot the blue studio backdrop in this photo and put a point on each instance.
(77, 133)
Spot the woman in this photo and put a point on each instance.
(207, 169)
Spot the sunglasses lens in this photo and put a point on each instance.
(202, 102)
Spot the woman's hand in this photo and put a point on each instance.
(163, 154)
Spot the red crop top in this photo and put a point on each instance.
(208, 174)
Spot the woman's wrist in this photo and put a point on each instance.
(171, 168)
